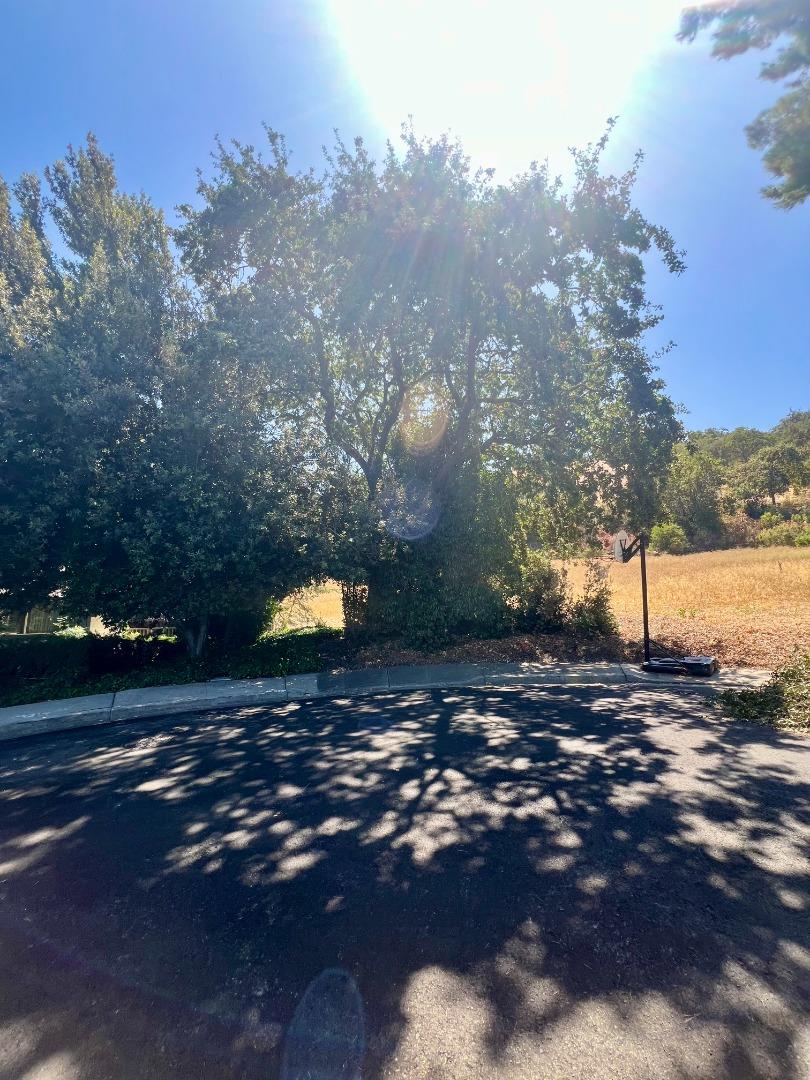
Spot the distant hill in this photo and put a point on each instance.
(736, 446)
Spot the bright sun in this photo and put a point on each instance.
(516, 80)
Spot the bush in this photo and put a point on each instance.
(784, 702)
(592, 615)
(769, 519)
(42, 667)
(669, 538)
(276, 654)
(787, 533)
(42, 656)
(457, 580)
(70, 659)
(740, 530)
(543, 595)
(428, 613)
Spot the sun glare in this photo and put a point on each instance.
(516, 80)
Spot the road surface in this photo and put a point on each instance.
(471, 883)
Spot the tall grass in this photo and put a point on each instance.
(745, 580)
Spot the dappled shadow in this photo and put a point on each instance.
(521, 883)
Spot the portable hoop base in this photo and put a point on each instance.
(689, 665)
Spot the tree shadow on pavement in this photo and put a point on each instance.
(520, 883)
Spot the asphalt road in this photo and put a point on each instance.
(472, 883)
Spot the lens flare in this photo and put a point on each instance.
(409, 508)
(424, 419)
(326, 1037)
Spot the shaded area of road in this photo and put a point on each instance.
(605, 883)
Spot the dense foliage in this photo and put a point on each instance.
(143, 469)
(58, 666)
(669, 539)
(392, 374)
(740, 487)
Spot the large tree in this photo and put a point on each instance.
(433, 321)
(770, 472)
(82, 340)
(782, 131)
(36, 448)
(692, 494)
(144, 466)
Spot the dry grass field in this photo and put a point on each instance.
(319, 606)
(746, 605)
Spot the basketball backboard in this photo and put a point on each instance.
(621, 541)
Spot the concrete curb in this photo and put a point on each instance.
(45, 717)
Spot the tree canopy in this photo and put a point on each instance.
(143, 471)
(782, 131)
(770, 472)
(509, 318)
(369, 373)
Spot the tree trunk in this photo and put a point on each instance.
(194, 634)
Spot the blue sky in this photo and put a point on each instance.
(156, 81)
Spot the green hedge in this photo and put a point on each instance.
(50, 666)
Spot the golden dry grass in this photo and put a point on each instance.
(320, 605)
(746, 605)
(751, 581)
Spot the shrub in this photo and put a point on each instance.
(769, 519)
(543, 595)
(112, 654)
(787, 533)
(42, 656)
(35, 669)
(592, 615)
(455, 581)
(669, 538)
(784, 701)
(67, 660)
(740, 530)
(279, 654)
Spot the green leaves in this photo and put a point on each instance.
(782, 131)
(770, 472)
(524, 303)
(691, 498)
(144, 469)
(185, 439)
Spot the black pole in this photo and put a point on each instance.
(643, 553)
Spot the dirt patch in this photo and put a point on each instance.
(747, 607)
(735, 639)
(540, 648)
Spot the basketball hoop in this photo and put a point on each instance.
(623, 551)
(620, 541)
(624, 548)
